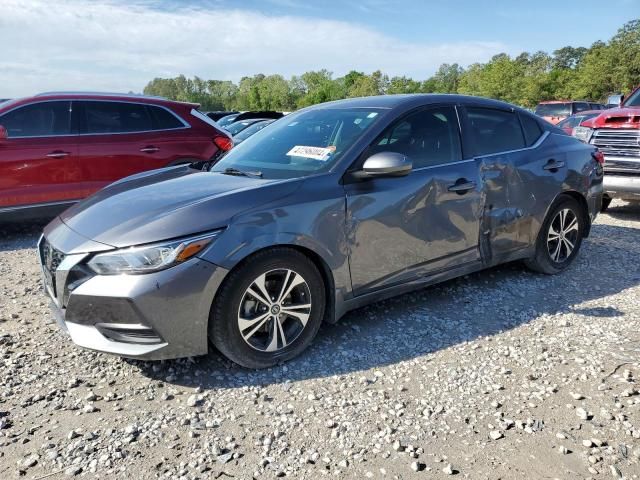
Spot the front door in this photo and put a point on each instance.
(38, 160)
(404, 228)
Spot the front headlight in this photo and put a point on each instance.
(582, 133)
(149, 258)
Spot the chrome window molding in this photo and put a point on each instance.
(185, 124)
(12, 208)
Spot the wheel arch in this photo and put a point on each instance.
(582, 201)
(319, 262)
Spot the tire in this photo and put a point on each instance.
(606, 201)
(553, 254)
(236, 309)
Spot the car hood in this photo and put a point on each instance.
(623, 117)
(169, 203)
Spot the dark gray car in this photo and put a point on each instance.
(330, 208)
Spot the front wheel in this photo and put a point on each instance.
(269, 309)
(560, 237)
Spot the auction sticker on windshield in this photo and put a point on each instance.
(316, 153)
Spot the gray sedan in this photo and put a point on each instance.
(329, 209)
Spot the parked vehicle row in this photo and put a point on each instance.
(58, 148)
(323, 211)
(554, 111)
(255, 127)
(569, 123)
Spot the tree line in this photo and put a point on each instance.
(568, 73)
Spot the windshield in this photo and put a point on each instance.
(553, 109)
(237, 127)
(227, 119)
(247, 132)
(633, 100)
(576, 120)
(300, 144)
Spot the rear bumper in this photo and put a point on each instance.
(153, 316)
(626, 187)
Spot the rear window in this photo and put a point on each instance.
(116, 117)
(553, 109)
(41, 119)
(495, 130)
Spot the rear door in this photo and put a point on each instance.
(119, 139)
(520, 169)
(39, 160)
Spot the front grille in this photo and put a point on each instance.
(617, 142)
(51, 260)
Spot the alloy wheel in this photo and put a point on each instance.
(562, 235)
(274, 310)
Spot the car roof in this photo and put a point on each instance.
(547, 102)
(413, 99)
(76, 95)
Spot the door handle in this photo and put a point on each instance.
(58, 154)
(553, 165)
(462, 186)
(150, 149)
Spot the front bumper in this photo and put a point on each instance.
(153, 316)
(626, 187)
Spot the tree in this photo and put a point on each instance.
(527, 78)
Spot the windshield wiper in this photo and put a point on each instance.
(241, 173)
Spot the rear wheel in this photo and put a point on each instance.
(560, 237)
(269, 309)
(606, 201)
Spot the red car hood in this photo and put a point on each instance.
(623, 117)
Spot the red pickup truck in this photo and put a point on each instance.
(58, 148)
(616, 133)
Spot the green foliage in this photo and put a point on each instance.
(579, 73)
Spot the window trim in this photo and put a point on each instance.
(75, 103)
(72, 120)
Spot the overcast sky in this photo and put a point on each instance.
(121, 45)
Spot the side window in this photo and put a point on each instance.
(163, 119)
(532, 129)
(495, 130)
(38, 120)
(580, 107)
(428, 137)
(116, 117)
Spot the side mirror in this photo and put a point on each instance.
(387, 164)
(4, 135)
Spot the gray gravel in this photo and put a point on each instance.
(501, 374)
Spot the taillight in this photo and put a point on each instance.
(223, 143)
(598, 156)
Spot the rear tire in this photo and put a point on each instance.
(559, 238)
(606, 201)
(268, 309)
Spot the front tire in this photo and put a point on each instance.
(268, 309)
(559, 238)
(606, 201)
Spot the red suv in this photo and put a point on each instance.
(57, 148)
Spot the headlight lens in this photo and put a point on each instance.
(150, 258)
(583, 133)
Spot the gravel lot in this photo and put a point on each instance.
(503, 374)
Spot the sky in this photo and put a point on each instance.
(119, 45)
